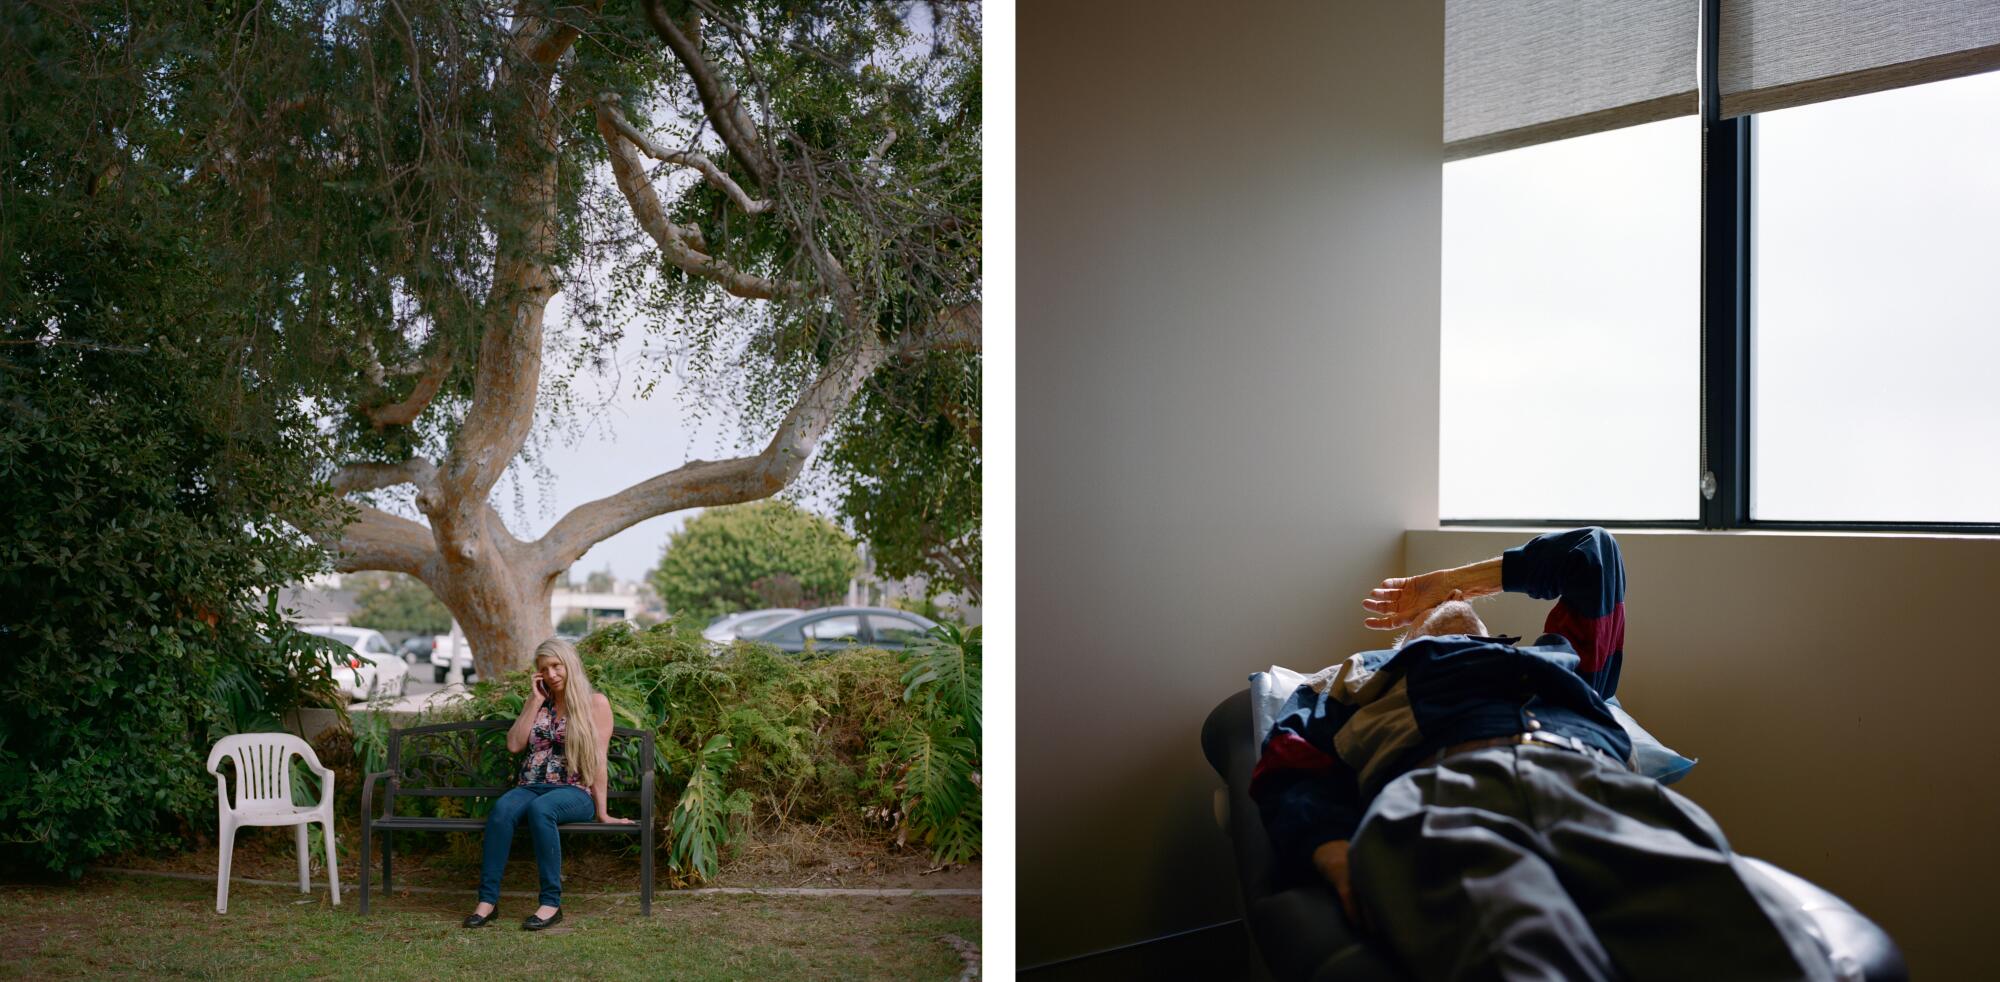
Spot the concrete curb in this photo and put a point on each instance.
(347, 885)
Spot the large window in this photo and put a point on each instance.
(1866, 232)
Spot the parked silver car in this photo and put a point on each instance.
(747, 623)
(833, 628)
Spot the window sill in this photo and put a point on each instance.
(1775, 530)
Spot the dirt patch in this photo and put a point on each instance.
(799, 856)
(808, 856)
(52, 927)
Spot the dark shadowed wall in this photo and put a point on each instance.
(1228, 339)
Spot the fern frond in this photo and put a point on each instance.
(944, 669)
(700, 825)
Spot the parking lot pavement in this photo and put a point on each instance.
(422, 694)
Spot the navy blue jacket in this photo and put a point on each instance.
(1329, 752)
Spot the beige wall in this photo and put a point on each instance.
(1839, 692)
(1228, 341)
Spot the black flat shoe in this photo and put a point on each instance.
(534, 923)
(474, 920)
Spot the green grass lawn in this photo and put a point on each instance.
(117, 926)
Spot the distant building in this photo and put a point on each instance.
(318, 602)
(623, 603)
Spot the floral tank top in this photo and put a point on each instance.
(546, 762)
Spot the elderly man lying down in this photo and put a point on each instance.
(1469, 796)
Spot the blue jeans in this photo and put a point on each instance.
(543, 805)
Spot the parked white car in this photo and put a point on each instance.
(442, 655)
(352, 675)
(391, 677)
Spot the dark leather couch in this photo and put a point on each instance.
(1302, 933)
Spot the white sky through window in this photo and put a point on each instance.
(1571, 328)
(1875, 325)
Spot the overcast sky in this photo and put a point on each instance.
(631, 440)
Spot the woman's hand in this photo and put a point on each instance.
(538, 692)
(614, 820)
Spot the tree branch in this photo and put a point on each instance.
(702, 483)
(406, 411)
(371, 477)
(707, 167)
(379, 540)
(674, 241)
(957, 329)
(719, 99)
(949, 556)
(503, 402)
(542, 41)
(510, 348)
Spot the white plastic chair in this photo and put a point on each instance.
(264, 797)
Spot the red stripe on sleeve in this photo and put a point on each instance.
(1289, 752)
(1594, 638)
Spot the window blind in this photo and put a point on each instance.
(1774, 54)
(1521, 73)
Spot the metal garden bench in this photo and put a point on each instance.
(471, 760)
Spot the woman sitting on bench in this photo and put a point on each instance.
(566, 728)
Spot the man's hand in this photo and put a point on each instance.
(1331, 861)
(1402, 600)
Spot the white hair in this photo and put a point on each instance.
(1450, 617)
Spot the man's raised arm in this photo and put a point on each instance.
(1583, 572)
(1401, 600)
(1579, 569)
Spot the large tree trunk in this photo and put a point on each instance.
(504, 612)
(496, 586)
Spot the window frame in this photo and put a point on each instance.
(851, 638)
(1724, 476)
(873, 617)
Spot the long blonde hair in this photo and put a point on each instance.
(580, 745)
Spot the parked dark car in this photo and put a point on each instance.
(833, 628)
(417, 649)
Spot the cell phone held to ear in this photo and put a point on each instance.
(541, 688)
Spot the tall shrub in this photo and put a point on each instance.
(935, 756)
(861, 740)
(139, 558)
(738, 558)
